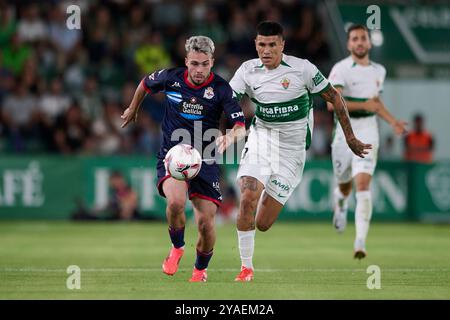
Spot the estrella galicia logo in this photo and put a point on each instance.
(191, 109)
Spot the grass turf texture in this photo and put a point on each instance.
(293, 261)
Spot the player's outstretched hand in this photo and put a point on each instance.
(223, 142)
(130, 114)
(399, 127)
(359, 148)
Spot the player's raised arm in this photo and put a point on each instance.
(130, 113)
(152, 83)
(334, 97)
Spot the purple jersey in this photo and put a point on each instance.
(191, 107)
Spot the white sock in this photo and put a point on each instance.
(246, 247)
(340, 199)
(363, 214)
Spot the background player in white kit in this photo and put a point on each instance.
(273, 158)
(360, 81)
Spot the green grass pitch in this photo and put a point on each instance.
(292, 260)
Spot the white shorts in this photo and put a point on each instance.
(346, 165)
(278, 166)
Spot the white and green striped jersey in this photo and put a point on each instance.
(358, 82)
(282, 94)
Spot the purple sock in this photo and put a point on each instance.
(177, 236)
(203, 259)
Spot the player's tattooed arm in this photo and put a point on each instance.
(370, 105)
(130, 114)
(334, 97)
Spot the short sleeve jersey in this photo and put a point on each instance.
(281, 94)
(192, 109)
(358, 83)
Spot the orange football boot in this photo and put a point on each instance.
(198, 275)
(170, 264)
(245, 275)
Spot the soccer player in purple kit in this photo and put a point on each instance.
(194, 96)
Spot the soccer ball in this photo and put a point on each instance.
(183, 162)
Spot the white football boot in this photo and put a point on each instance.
(359, 251)
(340, 218)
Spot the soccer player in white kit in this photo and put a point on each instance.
(273, 158)
(360, 81)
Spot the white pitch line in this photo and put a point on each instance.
(328, 270)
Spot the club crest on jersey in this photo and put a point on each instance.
(285, 83)
(209, 93)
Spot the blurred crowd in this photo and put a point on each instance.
(62, 91)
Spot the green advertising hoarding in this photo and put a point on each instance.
(39, 187)
(311, 200)
(410, 40)
(140, 173)
(431, 189)
(46, 187)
